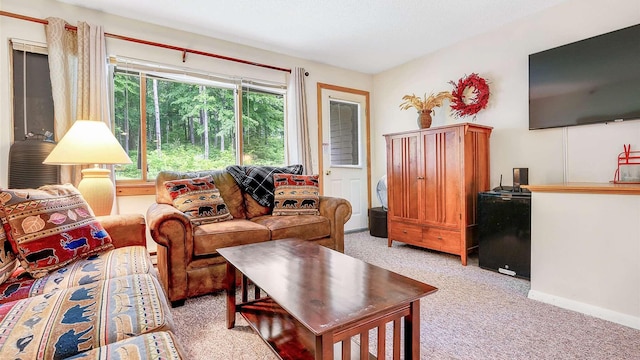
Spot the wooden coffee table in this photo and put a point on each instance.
(318, 299)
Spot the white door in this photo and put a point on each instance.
(345, 165)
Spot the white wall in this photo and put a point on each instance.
(14, 28)
(501, 57)
(584, 254)
(594, 272)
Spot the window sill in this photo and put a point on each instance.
(133, 189)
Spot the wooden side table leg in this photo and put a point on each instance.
(324, 347)
(412, 332)
(231, 296)
(245, 284)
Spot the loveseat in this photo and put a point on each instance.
(188, 261)
(107, 304)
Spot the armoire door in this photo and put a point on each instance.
(442, 183)
(403, 172)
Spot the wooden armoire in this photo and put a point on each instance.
(433, 179)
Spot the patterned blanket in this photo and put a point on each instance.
(258, 180)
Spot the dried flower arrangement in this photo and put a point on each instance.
(425, 103)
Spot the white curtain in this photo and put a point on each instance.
(62, 47)
(92, 89)
(78, 71)
(299, 144)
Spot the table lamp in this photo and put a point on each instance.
(91, 142)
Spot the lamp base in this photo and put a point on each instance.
(97, 189)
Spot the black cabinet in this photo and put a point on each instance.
(504, 232)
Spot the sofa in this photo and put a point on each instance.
(188, 261)
(103, 305)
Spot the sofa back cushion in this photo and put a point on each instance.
(229, 189)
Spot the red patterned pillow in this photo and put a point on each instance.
(199, 199)
(295, 194)
(8, 261)
(50, 227)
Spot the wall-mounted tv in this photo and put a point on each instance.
(591, 81)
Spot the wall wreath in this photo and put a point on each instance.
(463, 105)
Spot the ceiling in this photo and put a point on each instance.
(369, 36)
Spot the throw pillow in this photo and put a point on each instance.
(199, 199)
(296, 194)
(8, 261)
(50, 227)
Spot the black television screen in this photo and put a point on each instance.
(590, 81)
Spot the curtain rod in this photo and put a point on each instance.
(151, 43)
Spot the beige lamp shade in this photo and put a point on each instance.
(88, 142)
(91, 142)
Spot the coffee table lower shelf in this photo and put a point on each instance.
(286, 336)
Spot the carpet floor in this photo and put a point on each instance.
(475, 314)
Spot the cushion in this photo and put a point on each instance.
(199, 199)
(157, 345)
(296, 194)
(8, 261)
(229, 188)
(107, 265)
(64, 323)
(50, 227)
(207, 239)
(231, 193)
(306, 227)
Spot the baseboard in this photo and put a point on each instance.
(595, 311)
(354, 231)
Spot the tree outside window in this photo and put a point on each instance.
(194, 124)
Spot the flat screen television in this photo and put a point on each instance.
(595, 80)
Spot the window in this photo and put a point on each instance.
(344, 132)
(32, 100)
(262, 127)
(170, 119)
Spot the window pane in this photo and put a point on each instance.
(189, 122)
(344, 120)
(32, 100)
(127, 123)
(189, 127)
(262, 128)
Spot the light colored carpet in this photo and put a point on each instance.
(475, 314)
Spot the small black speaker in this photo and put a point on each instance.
(520, 177)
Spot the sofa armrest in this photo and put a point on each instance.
(172, 231)
(125, 229)
(338, 211)
(169, 226)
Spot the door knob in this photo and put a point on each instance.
(328, 172)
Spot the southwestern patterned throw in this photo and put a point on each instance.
(129, 260)
(160, 345)
(8, 261)
(199, 199)
(296, 194)
(50, 227)
(66, 322)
